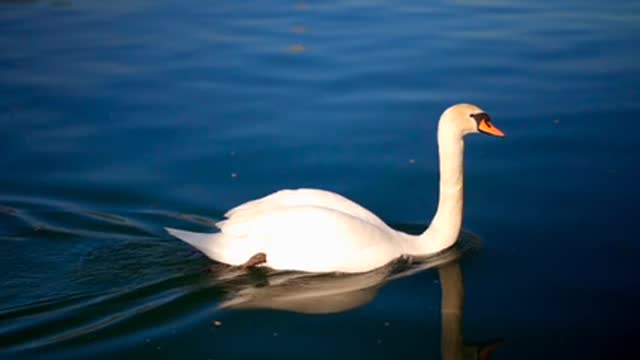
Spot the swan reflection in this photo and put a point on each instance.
(333, 293)
(311, 294)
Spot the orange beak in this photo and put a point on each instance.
(486, 127)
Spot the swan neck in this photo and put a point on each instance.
(445, 226)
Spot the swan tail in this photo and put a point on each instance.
(207, 243)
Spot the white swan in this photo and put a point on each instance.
(320, 231)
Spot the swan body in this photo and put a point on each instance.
(321, 231)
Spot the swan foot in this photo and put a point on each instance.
(257, 259)
(485, 351)
(215, 268)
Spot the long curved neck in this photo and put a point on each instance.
(445, 226)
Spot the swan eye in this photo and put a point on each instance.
(481, 116)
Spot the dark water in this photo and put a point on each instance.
(119, 118)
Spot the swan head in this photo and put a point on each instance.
(468, 119)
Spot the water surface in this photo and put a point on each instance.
(120, 118)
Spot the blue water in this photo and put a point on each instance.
(119, 118)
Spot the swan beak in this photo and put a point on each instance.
(486, 127)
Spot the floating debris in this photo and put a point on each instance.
(386, 323)
(296, 48)
(234, 175)
(217, 323)
(301, 6)
(298, 29)
(412, 161)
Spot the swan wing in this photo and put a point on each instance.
(308, 238)
(304, 238)
(305, 229)
(305, 197)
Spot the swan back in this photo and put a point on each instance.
(302, 197)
